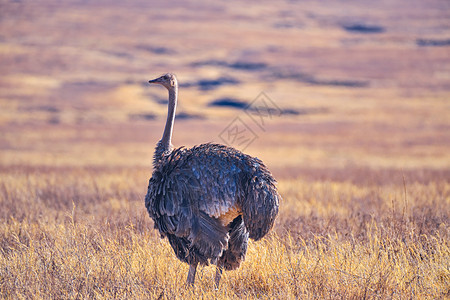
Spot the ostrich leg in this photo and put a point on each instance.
(191, 275)
(219, 270)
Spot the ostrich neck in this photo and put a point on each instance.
(167, 135)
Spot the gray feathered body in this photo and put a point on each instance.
(208, 200)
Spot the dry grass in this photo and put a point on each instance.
(77, 233)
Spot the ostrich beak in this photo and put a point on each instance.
(157, 80)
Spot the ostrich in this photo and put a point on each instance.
(208, 200)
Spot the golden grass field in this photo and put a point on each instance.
(359, 144)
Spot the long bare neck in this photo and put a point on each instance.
(167, 135)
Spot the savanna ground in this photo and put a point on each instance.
(357, 135)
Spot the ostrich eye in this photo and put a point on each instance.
(166, 76)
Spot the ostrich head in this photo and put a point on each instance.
(168, 80)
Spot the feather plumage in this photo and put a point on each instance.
(192, 189)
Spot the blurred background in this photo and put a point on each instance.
(354, 84)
